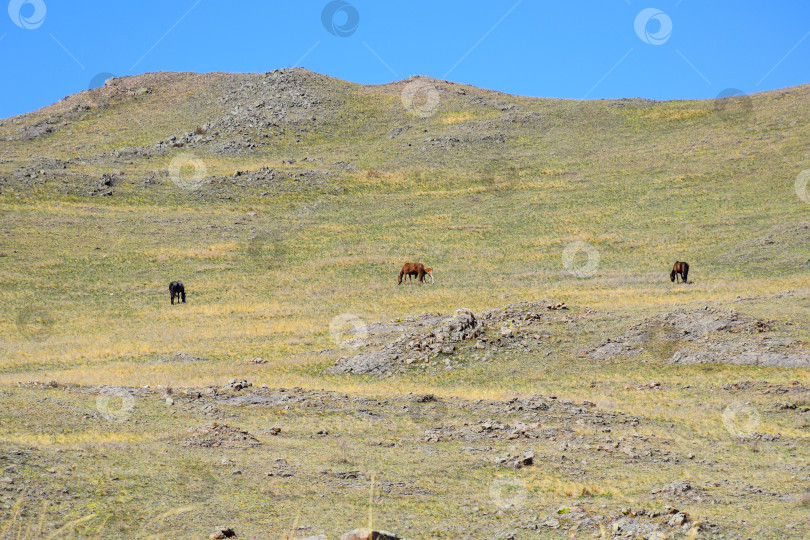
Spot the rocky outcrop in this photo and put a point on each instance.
(707, 335)
(436, 340)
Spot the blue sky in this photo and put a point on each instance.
(569, 49)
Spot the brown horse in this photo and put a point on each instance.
(680, 268)
(415, 269)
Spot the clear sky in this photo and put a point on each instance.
(660, 49)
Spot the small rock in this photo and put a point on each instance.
(222, 532)
(526, 460)
(678, 519)
(363, 534)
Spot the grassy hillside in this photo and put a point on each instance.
(288, 201)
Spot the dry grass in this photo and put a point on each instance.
(84, 290)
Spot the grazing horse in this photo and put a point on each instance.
(415, 269)
(177, 290)
(680, 268)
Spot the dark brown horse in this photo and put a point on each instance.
(415, 269)
(177, 290)
(680, 268)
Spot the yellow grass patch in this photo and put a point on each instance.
(677, 114)
(458, 117)
(88, 438)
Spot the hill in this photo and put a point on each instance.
(287, 203)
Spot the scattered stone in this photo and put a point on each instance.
(704, 336)
(220, 436)
(518, 462)
(237, 384)
(222, 532)
(364, 534)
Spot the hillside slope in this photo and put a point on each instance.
(287, 203)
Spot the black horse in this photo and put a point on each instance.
(681, 268)
(176, 290)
